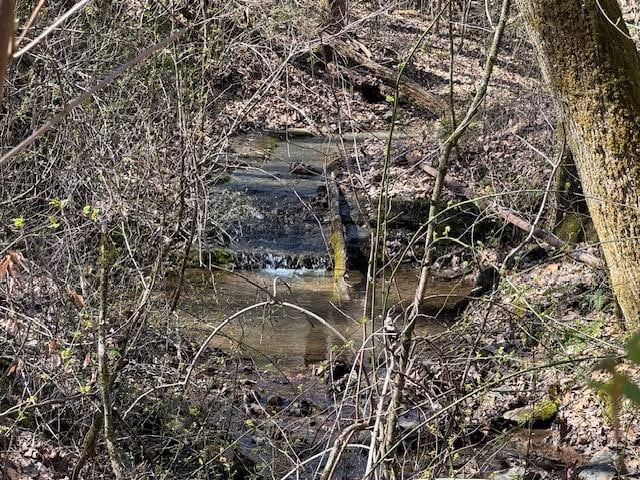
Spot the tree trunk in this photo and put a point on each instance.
(592, 69)
(7, 19)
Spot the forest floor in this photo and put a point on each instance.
(538, 338)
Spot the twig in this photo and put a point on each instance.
(340, 445)
(318, 455)
(549, 238)
(106, 260)
(29, 24)
(22, 146)
(185, 382)
(50, 28)
(89, 443)
(450, 142)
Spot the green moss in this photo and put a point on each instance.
(570, 229)
(294, 132)
(339, 256)
(267, 144)
(215, 256)
(220, 256)
(339, 267)
(542, 411)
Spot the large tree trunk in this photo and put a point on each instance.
(593, 71)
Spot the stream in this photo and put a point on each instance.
(290, 338)
(283, 242)
(281, 251)
(280, 186)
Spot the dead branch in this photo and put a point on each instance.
(412, 90)
(58, 117)
(7, 26)
(549, 238)
(103, 362)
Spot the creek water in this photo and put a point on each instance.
(281, 184)
(287, 226)
(287, 221)
(290, 338)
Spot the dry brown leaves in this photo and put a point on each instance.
(76, 298)
(11, 264)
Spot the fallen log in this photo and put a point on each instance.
(414, 92)
(549, 238)
(337, 240)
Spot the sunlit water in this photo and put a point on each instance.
(290, 338)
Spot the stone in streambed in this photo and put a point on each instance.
(541, 412)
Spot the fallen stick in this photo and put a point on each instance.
(549, 238)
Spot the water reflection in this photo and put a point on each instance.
(284, 335)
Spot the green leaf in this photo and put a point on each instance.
(633, 348)
(90, 212)
(390, 98)
(53, 222)
(630, 390)
(18, 222)
(56, 202)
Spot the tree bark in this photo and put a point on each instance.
(593, 71)
(570, 219)
(7, 26)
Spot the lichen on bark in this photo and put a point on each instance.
(592, 69)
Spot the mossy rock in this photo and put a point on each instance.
(267, 143)
(570, 228)
(541, 412)
(215, 256)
